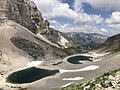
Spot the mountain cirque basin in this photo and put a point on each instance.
(30, 75)
(79, 59)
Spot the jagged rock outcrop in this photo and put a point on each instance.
(25, 13)
(60, 39)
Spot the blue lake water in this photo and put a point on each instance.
(30, 75)
(77, 59)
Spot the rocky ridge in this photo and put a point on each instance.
(85, 41)
(23, 12)
(112, 44)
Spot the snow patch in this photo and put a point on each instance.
(34, 63)
(96, 60)
(95, 55)
(74, 79)
(46, 40)
(67, 84)
(63, 41)
(88, 68)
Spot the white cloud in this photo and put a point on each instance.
(103, 30)
(85, 18)
(65, 26)
(53, 21)
(77, 28)
(114, 20)
(83, 22)
(100, 4)
(55, 8)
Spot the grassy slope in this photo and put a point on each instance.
(99, 83)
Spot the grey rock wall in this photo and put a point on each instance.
(25, 13)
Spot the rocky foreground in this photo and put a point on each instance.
(108, 81)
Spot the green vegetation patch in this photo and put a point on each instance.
(91, 84)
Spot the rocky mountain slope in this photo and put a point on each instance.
(23, 12)
(61, 40)
(23, 40)
(85, 41)
(26, 14)
(112, 44)
(109, 80)
(21, 28)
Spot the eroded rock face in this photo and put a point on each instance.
(3, 59)
(25, 13)
(0, 55)
(112, 44)
(31, 48)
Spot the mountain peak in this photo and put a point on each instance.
(23, 12)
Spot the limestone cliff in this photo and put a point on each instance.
(25, 13)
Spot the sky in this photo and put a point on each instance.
(89, 16)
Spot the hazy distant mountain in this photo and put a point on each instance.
(86, 41)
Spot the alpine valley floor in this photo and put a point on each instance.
(70, 73)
